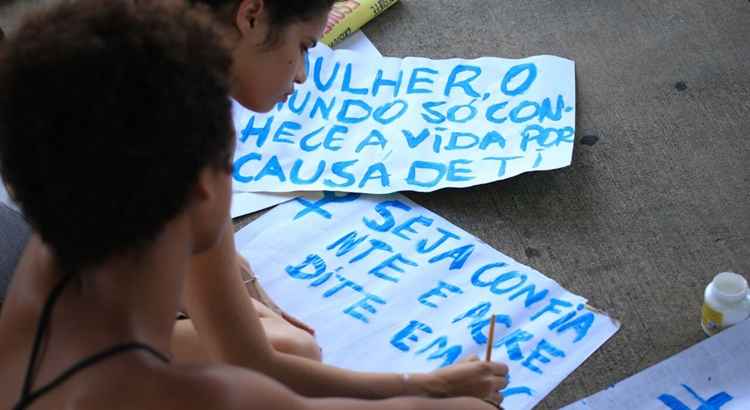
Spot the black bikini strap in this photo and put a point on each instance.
(27, 395)
(29, 398)
(41, 326)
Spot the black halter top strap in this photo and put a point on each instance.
(28, 396)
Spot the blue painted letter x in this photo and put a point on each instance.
(317, 206)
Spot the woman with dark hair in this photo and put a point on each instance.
(265, 68)
(90, 313)
(268, 40)
(259, 70)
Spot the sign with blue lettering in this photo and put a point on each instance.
(391, 286)
(711, 375)
(380, 125)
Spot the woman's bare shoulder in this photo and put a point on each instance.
(123, 386)
(221, 387)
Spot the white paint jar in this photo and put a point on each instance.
(726, 303)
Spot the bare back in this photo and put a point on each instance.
(113, 383)
(133, 379)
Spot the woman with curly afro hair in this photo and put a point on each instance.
(109, 88)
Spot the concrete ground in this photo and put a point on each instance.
(657, 199)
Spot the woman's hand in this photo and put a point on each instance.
(267, 307)
(471, 377)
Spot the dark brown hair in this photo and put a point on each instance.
(281, 13)
(109, 111)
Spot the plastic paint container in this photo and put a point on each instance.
(726, 302)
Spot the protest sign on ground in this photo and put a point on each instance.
(390, 286)
(711, 375)
(363, 123)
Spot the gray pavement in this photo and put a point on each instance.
(657, 199)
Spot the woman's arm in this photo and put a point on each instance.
(231, 388)
(256, 291)
(229, 327)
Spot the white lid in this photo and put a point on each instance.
(730, 287)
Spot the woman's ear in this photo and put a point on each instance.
(248, 15)
(208, 212)
(203, 190)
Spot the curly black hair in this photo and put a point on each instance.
(281, 13)
(109, 111)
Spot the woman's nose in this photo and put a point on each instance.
(300, 76)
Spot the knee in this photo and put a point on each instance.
(298, 343)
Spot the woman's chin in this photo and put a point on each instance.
(267, 105)
(256, 105)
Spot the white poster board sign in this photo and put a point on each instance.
(391, 286)
(362, 123)
(712, 375)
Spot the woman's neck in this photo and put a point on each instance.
(134, 296)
